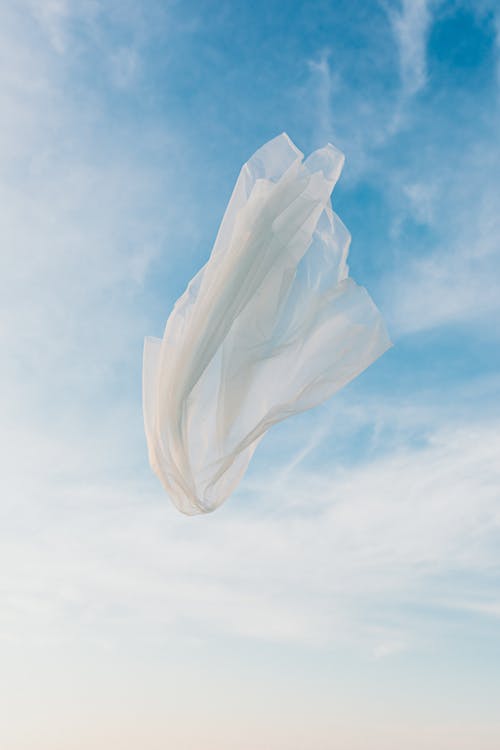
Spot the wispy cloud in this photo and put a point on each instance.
(449, 280)
(300, 556)
(86, 213)
(411, 23)
(326, 82)
(364, 122)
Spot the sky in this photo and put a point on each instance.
(347, 596)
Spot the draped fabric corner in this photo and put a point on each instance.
(270, 326)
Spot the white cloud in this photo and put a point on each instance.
(86, 212)
(56, 17)
(451, 279)
(297, 556)
(410, 24)
(350, 119)
(327, 81)
(362, 121)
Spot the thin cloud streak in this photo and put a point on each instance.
(411, 24)
(450, 281)
(300, 559)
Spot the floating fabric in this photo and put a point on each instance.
(270, 326)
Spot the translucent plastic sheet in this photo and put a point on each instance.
(270, 326)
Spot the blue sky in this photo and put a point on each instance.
(348, 595)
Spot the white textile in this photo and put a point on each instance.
(270, 326)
